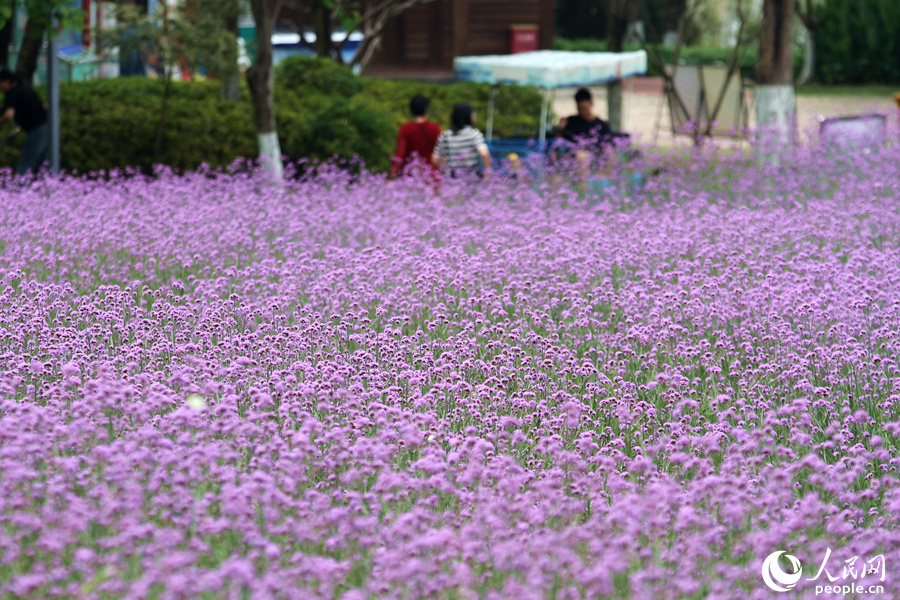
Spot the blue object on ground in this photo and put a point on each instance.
(512, 156)
(522, 146)
(599, 185)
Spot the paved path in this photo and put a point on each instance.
(645, 109)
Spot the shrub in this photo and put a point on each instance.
(309, 74)
(111, 123)
(321, 127)
(321, 110)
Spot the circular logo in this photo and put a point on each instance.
(775, 577)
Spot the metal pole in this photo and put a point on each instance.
(550, 105)
(543, 133)
(490, 115)
(53, 96)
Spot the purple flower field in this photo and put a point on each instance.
(213, 388)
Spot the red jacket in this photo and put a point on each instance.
(415, 139)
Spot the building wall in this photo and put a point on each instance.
(422, 37)
(489, 21)
(429, 36)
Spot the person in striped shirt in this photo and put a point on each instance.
(462, 148)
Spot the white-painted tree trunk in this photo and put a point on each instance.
(776, 121)
(270, 153)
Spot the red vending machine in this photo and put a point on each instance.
(523, 38)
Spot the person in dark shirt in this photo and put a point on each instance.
(416, 140)
(587, 128)
(22, 105)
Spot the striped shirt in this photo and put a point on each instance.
(460, 149)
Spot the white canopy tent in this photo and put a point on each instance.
(548, 70)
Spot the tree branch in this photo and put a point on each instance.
(394, 7)
(733, 63)
(655, 56)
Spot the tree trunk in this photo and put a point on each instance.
(775, 108)
(618, 27)
(654, 56)
(776, 51)
(775, 102)
(163, 112)
(231, 82)
(366, 52)
(261, 80)
(321, 18)
(615, 42)
(29, 51)
(6, 38)
(808, 72)
(372, 31)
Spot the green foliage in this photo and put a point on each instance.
(194, 30)
(590, 19)
(41, 12)
(305, 74)
(347, 114)
(111, 123)
(320, 113)
(202, 30)
(581, 18)
(583, 45)
(320, 127)
(346, 13)
(859, 42)
(689, 55)
(136, 31)
(703, 28)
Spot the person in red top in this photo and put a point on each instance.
(416, 140)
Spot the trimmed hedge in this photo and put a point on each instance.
(321, 127)
(323, 76)
(322, 110)
(689, 55)
(111, 123)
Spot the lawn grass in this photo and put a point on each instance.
(856, 91)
